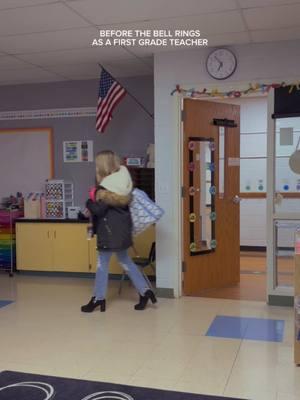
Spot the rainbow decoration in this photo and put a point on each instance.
(8, 237)
(253, 88)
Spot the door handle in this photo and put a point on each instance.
(278, 198)
(237, 199)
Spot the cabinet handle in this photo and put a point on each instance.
(54, 234)
(48, 235)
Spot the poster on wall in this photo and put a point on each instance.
(78, 151)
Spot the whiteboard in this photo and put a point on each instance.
(26, 160)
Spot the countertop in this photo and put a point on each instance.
(51, 220)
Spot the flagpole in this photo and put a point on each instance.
(131, 95)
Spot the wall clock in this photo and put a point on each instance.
(221, 63)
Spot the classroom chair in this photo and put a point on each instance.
(142, 263)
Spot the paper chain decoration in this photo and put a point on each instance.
(253, 88)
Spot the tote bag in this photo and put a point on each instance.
(144, 212)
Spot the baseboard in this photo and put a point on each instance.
(282, 301)
(262, 249)
(58, 274)
(165, 293)
(75, 274)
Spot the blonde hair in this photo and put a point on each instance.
(107, 162)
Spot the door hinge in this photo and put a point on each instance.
(183, 266)
(182, 115)
(182, 191)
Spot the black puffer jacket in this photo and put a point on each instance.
(111, 220)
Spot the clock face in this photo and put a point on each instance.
(221, 64)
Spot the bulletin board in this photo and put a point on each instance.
(26, 160)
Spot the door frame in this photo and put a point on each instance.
(177, 105)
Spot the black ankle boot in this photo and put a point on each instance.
(92, 304)
(144, 300)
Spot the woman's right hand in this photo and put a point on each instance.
(86, 213)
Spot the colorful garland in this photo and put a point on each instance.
(253, 88)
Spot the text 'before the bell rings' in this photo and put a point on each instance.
(148, 37)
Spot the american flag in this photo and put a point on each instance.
(110, 93)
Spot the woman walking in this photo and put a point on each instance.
(113, 226)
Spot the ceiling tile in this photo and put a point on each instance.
(209, 24)
(130, 67)
(32, 80)
(48, 41)
(213, 27)
(77, 71)
(264, 3)
(214, 40)
(7, 62)
(87, 55)
(28, 75)
(120, 68)
(119, 11)
(5, 4)
(276, 34)
(125, 67)
(49, 17)
(229, 39)
(271, 17)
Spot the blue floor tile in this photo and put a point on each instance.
(269, 330)
(228, 327)
(4, 303)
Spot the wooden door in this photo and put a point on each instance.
(70, 247)
(34, 246)
(211, 185)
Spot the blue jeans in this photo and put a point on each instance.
(129, 266)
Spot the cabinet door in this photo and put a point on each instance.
(70, 247)
(34, 246)
(93, 254)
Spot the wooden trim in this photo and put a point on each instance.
(260, 195)
(12, 130)
(50, 141)
(253, 195)
(291, 195)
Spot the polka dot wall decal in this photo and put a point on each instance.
(212, 190)
(213, 216)
(191, 145)
(191, 167)
(212, 146)
(192, 217)
(193, 247)
(213, 244)
(192, 191)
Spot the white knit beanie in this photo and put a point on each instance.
(119, 182)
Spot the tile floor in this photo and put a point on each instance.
(264, 329)
(166, 346)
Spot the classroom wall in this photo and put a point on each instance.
(128, 133)
(256, 62)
